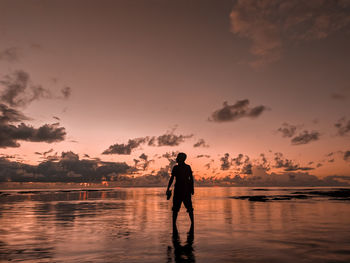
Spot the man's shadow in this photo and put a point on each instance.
(182, 253)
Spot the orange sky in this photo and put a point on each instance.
(149, 68)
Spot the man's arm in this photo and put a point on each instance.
(191, 182)
(170, 182)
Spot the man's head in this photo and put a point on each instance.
(181, 157)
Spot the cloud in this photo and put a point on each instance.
(66, 92)
(238, 160)
(200, 143)
(236, 111)
(9, 54)
(19, 91)
(242, 164)
(288, 165)
(272, 25)
(264, 163)
(225, 162)
(9, 115)
(171, 139)
(167, 139)
(125, 149)
(287, 130)
(67, 167)
(207, 166)
(343, 127)
(11, 134)
(347, 156)
(247, 168)
(144, 162)
(306, 137)
(203, 155)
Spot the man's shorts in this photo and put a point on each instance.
(186, 199)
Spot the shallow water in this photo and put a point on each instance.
(134, 225)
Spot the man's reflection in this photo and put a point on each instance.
(183, 253)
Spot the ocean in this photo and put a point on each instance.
(232, 224)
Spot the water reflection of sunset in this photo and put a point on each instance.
(103, 224)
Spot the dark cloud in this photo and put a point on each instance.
(242, 163)
(145, 162)
(66, 92)
(225, 162)
(167, 139)
(347, 156)
(67, 167)
(203, 155)
(125, 149)
(343, 127)
(9, 115)
(306, 137)
(236, 111)
(152, 141)
(247, 168)
(287, 130)
(238, 160)
(200, 143)
(164, 172)
(19, 90)
(171, 157)
(264, 163)
(56, 118)
(11, 134)
(288, 165)
(9, 54)
(171, 139)
(44, 154)
(272, 25)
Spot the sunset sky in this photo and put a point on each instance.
(268, 79)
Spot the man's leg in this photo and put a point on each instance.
(176, 208)
(188, 205)
(174, 218)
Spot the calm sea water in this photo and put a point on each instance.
(134, 225)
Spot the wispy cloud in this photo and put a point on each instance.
(19, 91)
(9, 54)
(200, 143)
(271, 24)
(343, 127)
(167, 139)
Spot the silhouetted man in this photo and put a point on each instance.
(183, 188)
